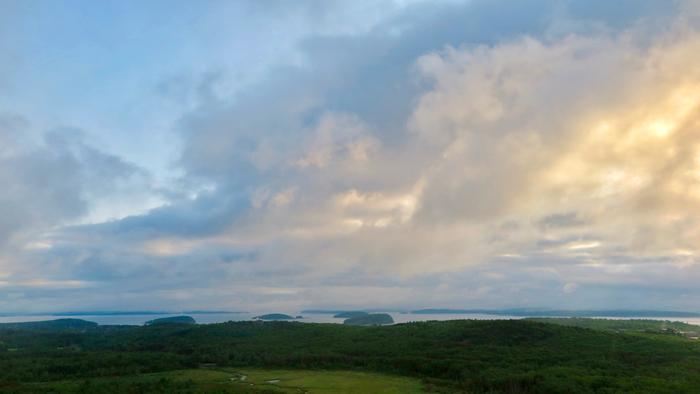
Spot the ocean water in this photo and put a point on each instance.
(206, 318)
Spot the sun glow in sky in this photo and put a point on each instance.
(284, 155)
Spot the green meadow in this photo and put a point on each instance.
(206, 380)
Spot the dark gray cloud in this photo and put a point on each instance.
(51, 181)
(570, 219)
(205, 215)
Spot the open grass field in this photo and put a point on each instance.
(235, 381)
(329, 382)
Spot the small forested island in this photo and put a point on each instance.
(275, 316)
(171, 320)
(370, 319)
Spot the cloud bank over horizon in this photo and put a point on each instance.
(333, 155)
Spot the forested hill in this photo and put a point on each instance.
(462, 355)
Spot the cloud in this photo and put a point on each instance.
(59, 174)
(452, 154)
(51, 180)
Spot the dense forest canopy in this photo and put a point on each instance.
(476, 356)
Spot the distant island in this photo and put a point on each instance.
(109, 313)
(370, 319)
(524, 312)
(519, 312)
(132, 313)
(171, 320)
(275, 316)
(115, 313)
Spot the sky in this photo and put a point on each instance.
(284, 155)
